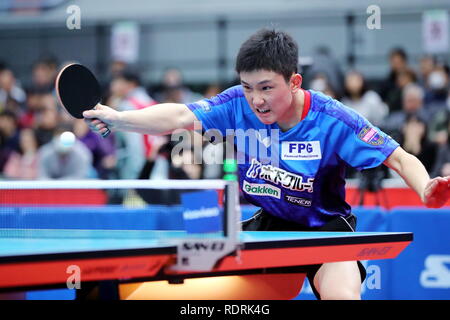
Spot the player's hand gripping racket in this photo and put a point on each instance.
(78, 90)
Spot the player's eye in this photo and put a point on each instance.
(266, 88)
(247, 88)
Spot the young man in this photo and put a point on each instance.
(316, 138)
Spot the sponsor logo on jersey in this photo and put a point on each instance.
(204, 105)
(279, 177)
(301, 150)
(298, 201)
(371, 136)
(259, 189)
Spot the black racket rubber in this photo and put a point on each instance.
(78, 90)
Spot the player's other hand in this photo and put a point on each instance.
(101, 118)
(437, 192)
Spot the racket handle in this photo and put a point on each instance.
(106, 133)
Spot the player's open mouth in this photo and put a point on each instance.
(262, 110)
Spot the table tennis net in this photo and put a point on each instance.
(114, 205)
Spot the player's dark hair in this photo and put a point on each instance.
(269, 50)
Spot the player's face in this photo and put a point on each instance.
(268, 94)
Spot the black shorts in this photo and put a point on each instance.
(263, 221)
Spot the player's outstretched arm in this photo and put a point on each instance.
(434, 193)
(155, 120)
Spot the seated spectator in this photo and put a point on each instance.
(47, 119)
(64, 157)
(398, 62)
(174, 90)
(126, 87)
(414, 139)
(23, 163)
(438, 132)
(326, 66)
(367, 102)
(320, 83)
(132, 148)
(412, 97)
(44, 74)
(442, 164)
(32, 106)
(103, 150)
(12, 96)
(9, 136)
(116, 67)
(212, 90)
(426, 66)
(438, 83)
(394, 96)
(391, 91)
(180, 166)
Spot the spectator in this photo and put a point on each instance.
(180, 166)
(32, 106)
(47, 119)
(44, 74)
(12, 96)
(438, 82)
(103, 150)
(390, 91)
(426, 66)
(23, 163)
(184, 166)
(415, 140)
(126, 88)
(320, 83)
(328, 67)
(117, 67)
(398, 60)
(212, 90)
(412, 97)
(132, 148)
(394, 97)
(64, 158)
(367, 102)
(442, 164)
(9, 136)
(174, 90)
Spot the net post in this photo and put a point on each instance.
(232, 211)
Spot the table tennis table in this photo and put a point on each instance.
(268, 261)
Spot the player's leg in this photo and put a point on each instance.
(338, 281)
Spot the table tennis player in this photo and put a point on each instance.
(304, 191)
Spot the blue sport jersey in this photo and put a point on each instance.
(297, 175)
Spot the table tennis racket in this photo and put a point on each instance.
(78, 90)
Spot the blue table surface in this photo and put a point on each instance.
(17, 242)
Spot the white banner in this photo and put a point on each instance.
(125, 42)
(435, 31)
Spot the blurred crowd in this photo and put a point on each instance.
(39, 140)
(412, 104)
